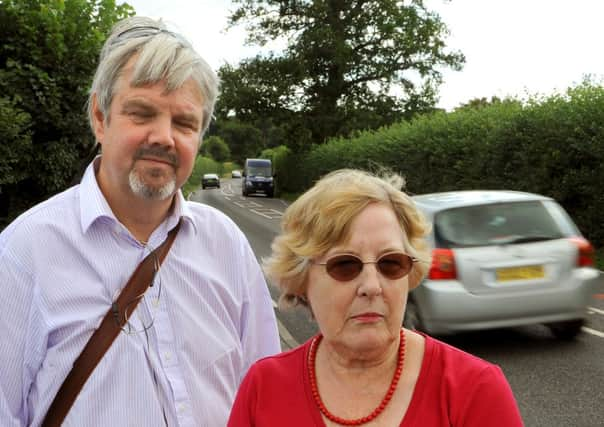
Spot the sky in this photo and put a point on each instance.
(513, 48)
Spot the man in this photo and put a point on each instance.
(207, 315)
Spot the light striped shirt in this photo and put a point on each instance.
(63, 262)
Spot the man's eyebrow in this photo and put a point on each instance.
(137, 103)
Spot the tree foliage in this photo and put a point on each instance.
(48, 55)
(476, 103)
(244, 139)
(348, 65)
(216, 148)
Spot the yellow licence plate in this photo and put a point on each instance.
(520, 273)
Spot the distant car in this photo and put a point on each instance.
(502, 259)
(210, 180)
(236, 174)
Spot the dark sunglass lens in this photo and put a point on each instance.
(394, 266)
(344, 267)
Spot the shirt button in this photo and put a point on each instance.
(180, 408)
(168, 356)
(155, 302)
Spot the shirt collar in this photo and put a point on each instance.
(94, 206)
(181, 209)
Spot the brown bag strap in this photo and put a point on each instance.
(103, 337)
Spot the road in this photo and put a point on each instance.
(556, 383)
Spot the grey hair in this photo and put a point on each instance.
(162, 55)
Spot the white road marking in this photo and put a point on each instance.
(592, 331)
(267, 213)
(289, 340)
(595, 310)
(286, 336)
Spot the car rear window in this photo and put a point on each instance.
(502, 223)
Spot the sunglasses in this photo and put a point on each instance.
(392, 266)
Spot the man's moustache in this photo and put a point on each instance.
(158, 153)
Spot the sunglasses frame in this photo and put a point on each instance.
(362, 263)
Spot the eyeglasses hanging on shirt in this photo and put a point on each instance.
(138, 315)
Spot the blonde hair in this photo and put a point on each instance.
(321, 217)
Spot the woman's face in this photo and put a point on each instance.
(366, 312)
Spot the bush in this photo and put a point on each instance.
(216, 148)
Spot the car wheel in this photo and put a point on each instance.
(566, 330)
(412, 319)
(203, 187)
(269, 194)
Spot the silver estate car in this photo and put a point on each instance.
(502, 259)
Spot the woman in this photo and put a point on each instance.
(351, 248)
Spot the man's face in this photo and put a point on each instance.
(150, 139)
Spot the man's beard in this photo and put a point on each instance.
(149, 192)
(136, 177)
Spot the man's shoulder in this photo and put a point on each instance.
(57, 211)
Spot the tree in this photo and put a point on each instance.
(244, 140)
(250, 97)
(15, 150)
(477, 103)
(349, 64)
(216, 148)
(48, 55)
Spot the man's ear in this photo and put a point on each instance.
(98, 119)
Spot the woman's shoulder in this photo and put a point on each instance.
(448, 356)
(451, 368)
(467, 386)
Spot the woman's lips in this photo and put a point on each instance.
(368, 317)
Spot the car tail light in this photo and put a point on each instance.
(443, 265)
(585, 258)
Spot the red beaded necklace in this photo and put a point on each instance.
(377, 411)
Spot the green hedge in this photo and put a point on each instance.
(550, 145)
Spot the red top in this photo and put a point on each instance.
(454, 389)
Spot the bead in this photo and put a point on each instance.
(377, 411)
